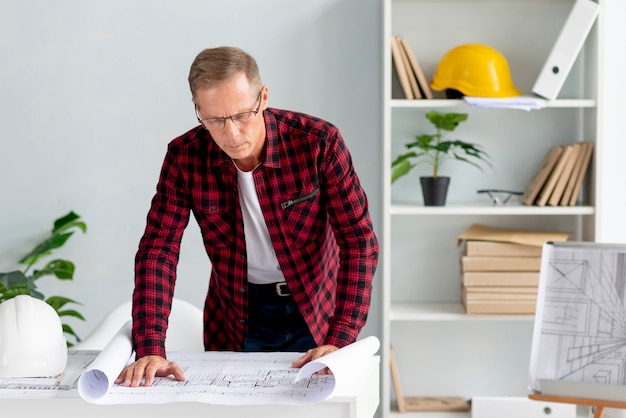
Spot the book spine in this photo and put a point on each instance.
(470, 263)
(541, 175)
(517, 290)
(581, 174)
(416, 69)
(548, 188)
(500, 307)
(565, 176)
(499, 297)
(500, 278)
(492, 248)
(400, 67)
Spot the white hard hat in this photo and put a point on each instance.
(32, 343)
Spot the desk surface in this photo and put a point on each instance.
(358, 399)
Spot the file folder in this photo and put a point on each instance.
(566, 49)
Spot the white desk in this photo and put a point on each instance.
(359, 401)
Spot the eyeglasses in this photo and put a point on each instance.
(499, 197)
(240, 119)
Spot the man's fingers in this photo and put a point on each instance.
(148, 376)
(313, 354)
(136, 372)
(146, 368)
(302, 360)
(177, 372)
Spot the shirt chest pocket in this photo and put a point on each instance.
(304, 217)
(217, 223)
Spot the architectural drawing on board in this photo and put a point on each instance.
(580, 329)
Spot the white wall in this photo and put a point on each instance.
(92, 91)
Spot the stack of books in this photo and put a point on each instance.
(500, 269)
(559, 178)
(412, 79)
(500, 277)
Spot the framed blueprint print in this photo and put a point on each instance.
(579, 339)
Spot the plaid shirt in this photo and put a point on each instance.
(318, 221)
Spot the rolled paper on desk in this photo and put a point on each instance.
(95, 382)
(342, 362)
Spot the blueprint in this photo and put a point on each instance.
(230, 378)
(60, 386)
(580, 323)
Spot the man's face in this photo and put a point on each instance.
(232, 113)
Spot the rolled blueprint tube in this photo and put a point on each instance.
(95, 382)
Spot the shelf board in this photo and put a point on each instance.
(441, 103)
(487, 208)
(434, 414)
(412, 311)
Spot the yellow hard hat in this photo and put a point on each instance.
(475, 70)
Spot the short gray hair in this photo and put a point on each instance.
(214, 66)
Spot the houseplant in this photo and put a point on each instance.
(434, 149)
(23, 282)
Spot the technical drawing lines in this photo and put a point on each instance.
(584, 321)
(259, 379)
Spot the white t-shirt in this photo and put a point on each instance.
(263, 265)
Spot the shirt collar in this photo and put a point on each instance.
(272, 152)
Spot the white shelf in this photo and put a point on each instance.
(406, 311)
(442, 103)
(441, 348)
(486, 208)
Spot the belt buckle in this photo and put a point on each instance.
(279, 289)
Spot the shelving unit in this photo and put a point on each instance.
(440, 350)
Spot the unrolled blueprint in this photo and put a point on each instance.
(229, 378)
(213, 377)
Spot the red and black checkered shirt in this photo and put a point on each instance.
(318, 221)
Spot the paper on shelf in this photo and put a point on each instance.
(518, 102)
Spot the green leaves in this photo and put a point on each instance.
(68, 221)
(62, 269)
(13, 279)
(446, 121)
(401, 168)
(17, 282)
(57, 302)
(434, 150)
(57, 238)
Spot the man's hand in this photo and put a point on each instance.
(147, 368)
(314, 354)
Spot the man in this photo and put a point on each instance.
(284, 221)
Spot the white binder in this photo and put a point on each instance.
(566, 49)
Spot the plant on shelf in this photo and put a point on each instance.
(434, 149)
(22, 282)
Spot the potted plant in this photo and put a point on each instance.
(22, 282)
(434, 149)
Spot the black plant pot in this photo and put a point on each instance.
(435, 190)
